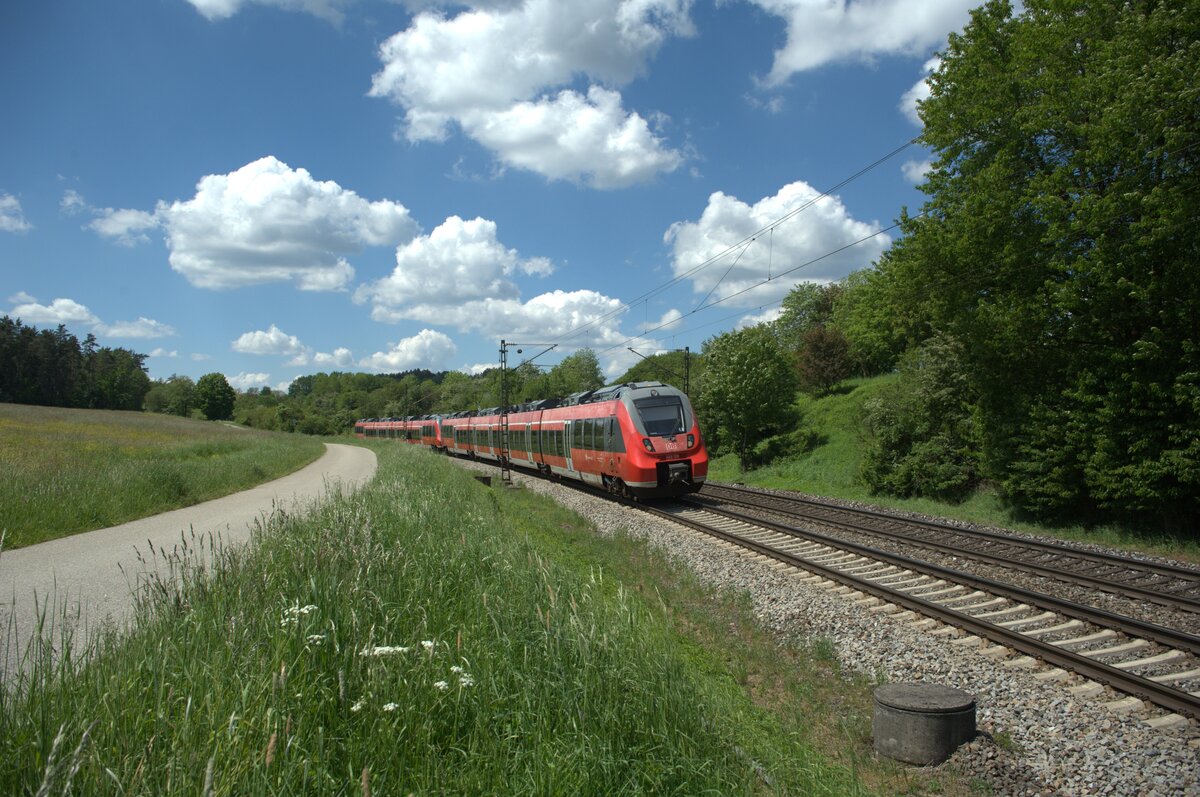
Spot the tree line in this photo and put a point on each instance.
(330, 403)
(1042, 309)
(52, 367)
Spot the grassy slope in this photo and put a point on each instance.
(831, 469)
(74, 470)
(594, 667)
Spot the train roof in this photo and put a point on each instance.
(606, 393)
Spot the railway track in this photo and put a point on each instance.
(1149, 662)
(1057, 639)
(1163, 584)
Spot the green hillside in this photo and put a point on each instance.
(831, 468)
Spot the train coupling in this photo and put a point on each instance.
(679, 473)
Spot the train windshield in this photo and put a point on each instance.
(661, 416)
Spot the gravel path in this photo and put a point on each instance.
(1037, 739)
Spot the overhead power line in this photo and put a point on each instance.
(744, 243)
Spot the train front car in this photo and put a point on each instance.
(665, 455)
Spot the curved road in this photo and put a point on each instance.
(94, 572)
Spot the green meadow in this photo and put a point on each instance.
(69, 470)
(429, 635)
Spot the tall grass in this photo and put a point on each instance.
(75, 470)
(409, 637)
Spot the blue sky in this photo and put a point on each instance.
(270, 188)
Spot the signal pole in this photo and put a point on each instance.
(505, 345)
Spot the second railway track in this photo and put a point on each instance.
(1166, 585)
(1153, 663)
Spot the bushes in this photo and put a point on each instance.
(921, 434)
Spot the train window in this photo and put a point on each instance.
(662, 415)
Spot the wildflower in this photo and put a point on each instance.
(316, 639)
(442, 686)
(292, 615)
(465, 680)
(357, 707)
(427, 644)
(391, 706)
(384, 650)
(456, 669)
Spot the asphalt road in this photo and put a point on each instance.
(91, 575)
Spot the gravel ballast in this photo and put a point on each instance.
(1036, 738)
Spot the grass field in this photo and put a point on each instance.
(74, 470)
(429, 635)
(831, 469)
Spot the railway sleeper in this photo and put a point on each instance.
(1124, 647)
(1107, 633)
(1162, 658)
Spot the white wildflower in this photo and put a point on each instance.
(456, 669)
(357, 707)
(427, 644)
(390, 706)
(465, 680)
(384, 650)
(442, 686)
(292, 614)
(316, 639)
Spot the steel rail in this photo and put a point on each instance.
(1114, 560)
(1160, 694)
(1134, 591)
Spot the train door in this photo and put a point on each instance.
(569, 441)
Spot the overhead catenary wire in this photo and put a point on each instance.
(759, 284)
(742, 244)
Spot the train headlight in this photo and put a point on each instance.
(649, 446)
(691, 441)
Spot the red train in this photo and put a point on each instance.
(638, 439)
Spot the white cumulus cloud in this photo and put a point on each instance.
(142, 328)
(814, 234)
(459, 261)
(70, 313)
(915, 171)
(820, 32)
(919, 92)
(477, 368)
(462, 276)
(72, 202)
(488, 70)
(161, 352)
(12, 218)
(267, 222)
(332, 10)
(270, 341)
(340, 358)
(245, 381)
(127, 227)
(589, 139)
(670, 320)
(59, 311)
(427, 349)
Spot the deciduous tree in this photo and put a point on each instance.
(214, 397)
(749, 387)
